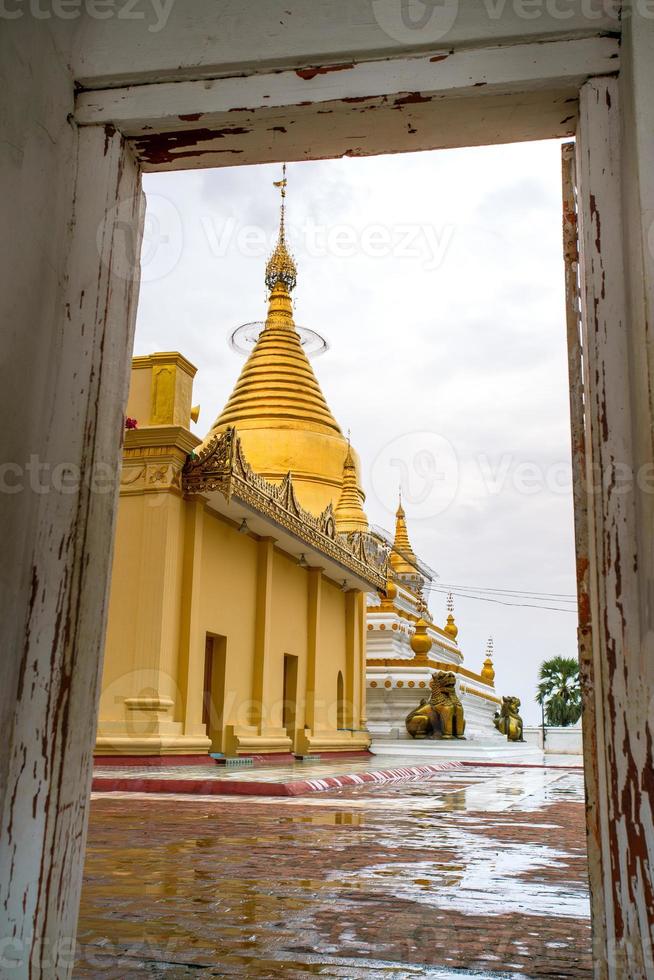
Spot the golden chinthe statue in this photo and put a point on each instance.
(442, 715)
(508, 720)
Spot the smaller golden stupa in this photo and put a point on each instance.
(402, 558)
(488, 671)
(349, 512)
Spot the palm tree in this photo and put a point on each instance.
(559, 690)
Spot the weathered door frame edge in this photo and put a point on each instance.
(617, 757)
(109, 156)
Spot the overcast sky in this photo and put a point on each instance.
(437, 281)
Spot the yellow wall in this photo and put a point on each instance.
(228, 591)
(140, 699)
(332, 654)
(288, 631)
(155, 649)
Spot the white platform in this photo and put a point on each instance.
(459, 750)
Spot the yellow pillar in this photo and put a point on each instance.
(351, 663)
(192, 639)
(262, 630)
(362, 659)
(314, 585)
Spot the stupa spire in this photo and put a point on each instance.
(488, 671)
(451, 628)
(402, 557)
(280, 268)
(349, 511)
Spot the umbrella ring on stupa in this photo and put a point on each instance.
(244, 338)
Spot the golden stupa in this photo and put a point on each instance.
(349, 511)
(277, 406)
(402, 557)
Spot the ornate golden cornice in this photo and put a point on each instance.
(165, 357)
(164, 437)
(220, 465)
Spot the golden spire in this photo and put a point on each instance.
(402, 557)
(277, 383)
(450, 627)
(488, 671)
(349, 511)
(281, 267)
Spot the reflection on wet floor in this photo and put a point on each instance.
(333, 817)
(481, 872)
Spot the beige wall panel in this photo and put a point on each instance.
(288, 631)
(230, 569)
(331, 657)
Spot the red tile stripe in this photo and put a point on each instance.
(221, 787)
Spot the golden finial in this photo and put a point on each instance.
(450, 627)
(488, 671)
(281, 267)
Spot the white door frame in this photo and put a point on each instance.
(487, 95)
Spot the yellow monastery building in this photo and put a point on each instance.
(251, 606)
(242, 562)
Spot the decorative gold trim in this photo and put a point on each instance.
(432, 664)
(481, 694)
(221, 466)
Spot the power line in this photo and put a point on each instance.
(500, 602)
(566, 596)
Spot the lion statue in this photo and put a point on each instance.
(508, 721)
(441, 715)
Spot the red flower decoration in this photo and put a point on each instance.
(131, 424)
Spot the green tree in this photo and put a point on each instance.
(559, 690)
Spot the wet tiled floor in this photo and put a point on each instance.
(286, 772)
(479, 871)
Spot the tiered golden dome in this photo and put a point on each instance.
(277, 406)
(277, 383)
